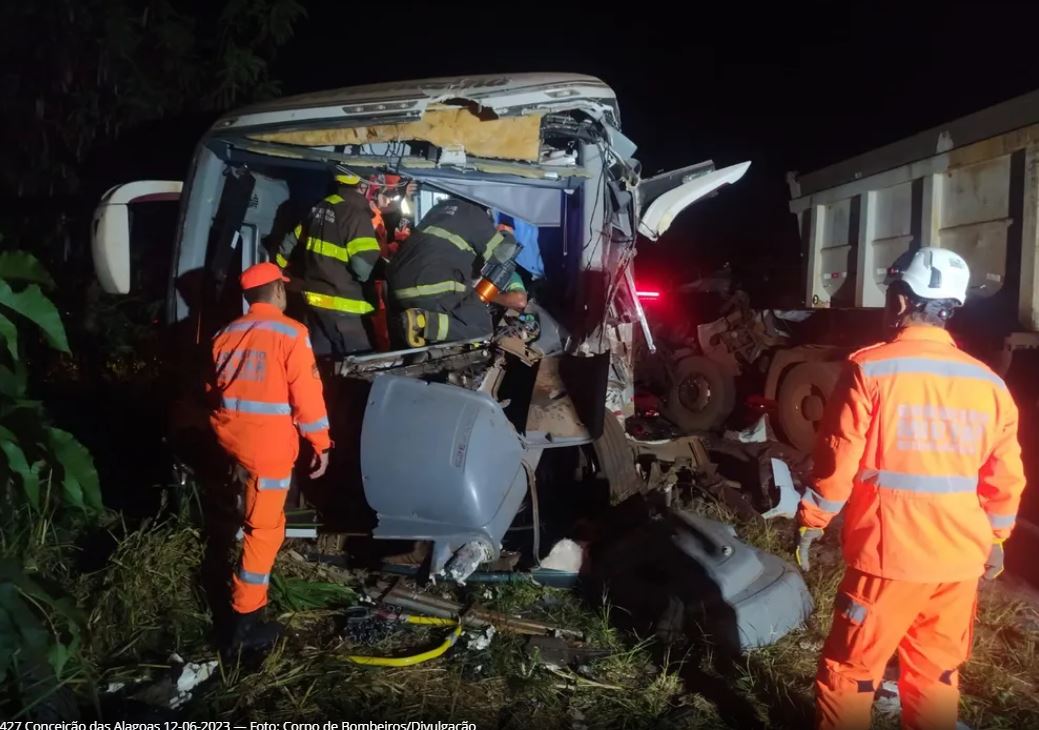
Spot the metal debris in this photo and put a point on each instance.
(788, 496)
(472, 616)
(552, 651)
(479, 640)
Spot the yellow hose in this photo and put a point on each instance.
(430, 621)
(408, 661)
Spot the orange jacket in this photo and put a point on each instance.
(920, 441)
(269, 387)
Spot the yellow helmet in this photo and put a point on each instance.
(345, 177)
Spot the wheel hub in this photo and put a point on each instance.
(695, 393)
(812, 407)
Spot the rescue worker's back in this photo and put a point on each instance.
(940, 467)
(259, 358)
(919, 448)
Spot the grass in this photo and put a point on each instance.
(147, 603)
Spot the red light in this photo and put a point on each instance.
(648, 294)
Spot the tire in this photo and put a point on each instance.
(702, 395)
(802, 398)
(616, 461)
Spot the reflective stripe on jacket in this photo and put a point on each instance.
(919, 447)
(338, 252)
(267, 387)
(444, 254)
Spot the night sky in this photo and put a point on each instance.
(792, 88)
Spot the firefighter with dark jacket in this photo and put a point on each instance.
(339, 252)
(432, 293)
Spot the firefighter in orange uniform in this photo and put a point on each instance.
(919, 447)
(269, 393)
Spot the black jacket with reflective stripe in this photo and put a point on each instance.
(450, 245)
(338, 248)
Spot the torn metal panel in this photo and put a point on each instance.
(420, 168)
(552, 410)
(509, 138)
(688, 573)
(686, 450)
(403, 100)
(658, 215)
(788, 495)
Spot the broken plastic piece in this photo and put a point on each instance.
(480, 640)
(565, 555)
(467, 560)
(788, 496)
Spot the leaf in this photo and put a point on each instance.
(34, 306)
(79, 476)
(23, 266)
(18, 464)
(61, 605)
(32, 637)
(9, 639)
(13, 380)
(59, 655)
(9, 332)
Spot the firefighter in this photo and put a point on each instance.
(391, 201)
(339, 253)
(267, 392)
(919, 447)
(431, 276)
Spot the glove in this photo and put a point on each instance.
(808, 535)
(994, 564)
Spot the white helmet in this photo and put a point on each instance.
(933, 273)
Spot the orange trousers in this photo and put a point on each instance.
(264, 502)
(930, 625)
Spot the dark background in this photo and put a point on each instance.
(793, 86)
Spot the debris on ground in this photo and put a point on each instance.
(689, 571)
(466, 560)
(552, 651)
(472, 616)
(887, 702)
(305, 677)
(479, 640)
(566, 555)
(788, 495)
(191, 676)
(175, 687)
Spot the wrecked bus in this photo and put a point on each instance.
(476, 417)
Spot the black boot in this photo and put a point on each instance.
(251, 634)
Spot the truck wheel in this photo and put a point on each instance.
(802, 399)
(702, 395)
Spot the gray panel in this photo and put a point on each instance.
(269, 194)
(439, 463)
(766, 595)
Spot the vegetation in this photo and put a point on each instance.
(146, 604)
(112, 65)
(49, 489)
